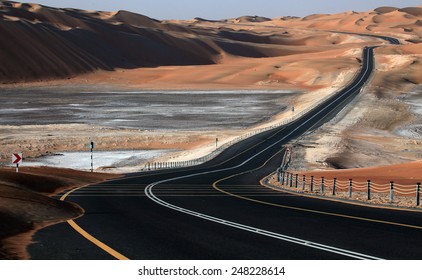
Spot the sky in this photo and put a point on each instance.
(222, 9)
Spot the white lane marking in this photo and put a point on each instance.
(275, 235)
(356, 255)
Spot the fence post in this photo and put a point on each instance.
(369, 189)
(322, 184)
(291, 180)
(303, 182)
(312, 183)
(282, 177)
(391, 191)
(418, 194)
(287, 178)
(334, 186)
(296, 180)
(350, 187)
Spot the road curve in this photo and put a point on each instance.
(220, 211)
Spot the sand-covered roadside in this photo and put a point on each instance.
(309, 78)
(382, 126)
(245, 53)
(27, 203)
(404, 176)
(309, 86)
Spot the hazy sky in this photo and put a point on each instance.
(221, 9)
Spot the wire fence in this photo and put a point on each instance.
(349, 189)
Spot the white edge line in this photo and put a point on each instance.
(150, 195)
(287, 238)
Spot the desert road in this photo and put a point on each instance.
(219, 210)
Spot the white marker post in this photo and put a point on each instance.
(91, 145)
(16, 159)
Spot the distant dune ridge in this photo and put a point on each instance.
(40, 42)
(381, 20)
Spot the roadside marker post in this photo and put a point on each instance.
(350, 188)
(291, 180)
(91, 145)
(279, 174)
(418, 194)
(369, 189)
(334, 186)
(391, 191)
(16, 159)
(312, 184)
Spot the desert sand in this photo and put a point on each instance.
(27, 203)
(311, 56)
(229, 54)
(405, 178)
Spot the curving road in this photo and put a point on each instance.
(220, 211)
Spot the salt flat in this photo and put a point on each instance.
(146, 110)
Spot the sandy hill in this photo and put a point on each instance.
(40, 42)
(246, 19)
(405, 22)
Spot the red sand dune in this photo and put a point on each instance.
(384, 20)
(40, 42)
(404, 174)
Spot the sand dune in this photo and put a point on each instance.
(42, 43)
(403, 23)
(25, 205)
(135, 19)
(252, 19)
(53, 43)
(125, 49)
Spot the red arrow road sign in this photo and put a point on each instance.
(16, 158)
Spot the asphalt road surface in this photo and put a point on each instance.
(220, 211)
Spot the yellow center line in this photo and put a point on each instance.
(97, 242)
(214, 185)
(107, 248)
(91, 238)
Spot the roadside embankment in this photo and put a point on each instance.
(389, 186)
(27, 203)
